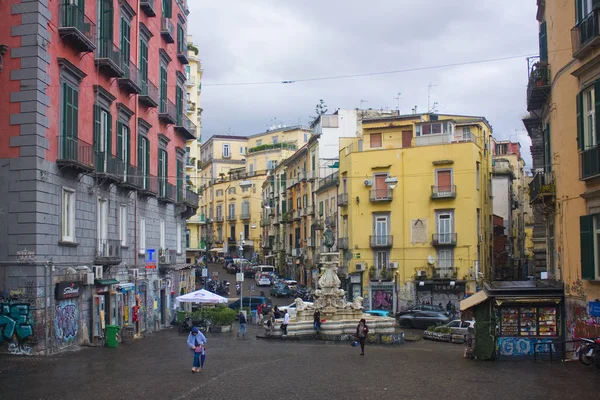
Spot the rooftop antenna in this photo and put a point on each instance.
(429, 95)
(397, 98)
(434, 108)
(362, 102)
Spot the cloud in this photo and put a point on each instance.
(269, 40)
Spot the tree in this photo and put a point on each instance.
(320, 109)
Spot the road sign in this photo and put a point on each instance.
(239, 277)
(204, 272)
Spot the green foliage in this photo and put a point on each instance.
(193, 48)
(218, 316)
(441, 329)
(263, 147)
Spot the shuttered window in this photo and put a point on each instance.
(588, 258)
(167, 8)
(163, 89)
(444, 180)
(375, 140)
(543, 42)
(123, 142)
(70, 118)
(144, 63)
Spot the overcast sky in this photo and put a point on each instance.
(243, 41)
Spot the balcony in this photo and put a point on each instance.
(219, 218)
(245, 216)
(147, 7)
(310, 242)
(538, 87)
(75, 28)
(266, 244)
(191, 199)
(586, 34)
(443, 192)
(445, 273)
(185, 127)
(167, 257)
(131, 178)
(76, 154)
(342, 243)
(301, 176)
(130, 82)
(380, 195)
(381, 241)
(264, 222)
(303, 212)
(109, 59)
(167, 112)
(109, 167)
(274, 146)
(443, 239)
(310, 210)
(148, 94)
(166, 191)
(182, 52)
(166, 30)
(342, 200)
(191, 81)
(108, 252)
(542, 186)
(590, 163)
(149, 184)
(231, 217)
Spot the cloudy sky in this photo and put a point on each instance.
(244, 42)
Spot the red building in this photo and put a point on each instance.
(92, 156)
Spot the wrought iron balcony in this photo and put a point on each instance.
(149, 95)
(108, 252)
(245, 216)
(131, 178)
(182, 51)
(109, 167)
(185, 127)
(109, 58)
(342, 243)
(167, 112)
(342, 199)
(75, 28)
(445, 273)
(166, 191)
(542, 186)
(381, 241)
(380, 195)
(76, 154)
(538, 87)
(586, 34)
(219, 218)
(130, 82)
(191, 199)
(149, 184)
(231, 217)
(443, 239)
(590, 163)
(147, 7)
(443, 192)
(166, 30)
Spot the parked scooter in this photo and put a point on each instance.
(589, 352)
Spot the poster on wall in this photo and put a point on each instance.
(67, 290)
(382, 299)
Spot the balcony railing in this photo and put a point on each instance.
(590, 163)
(190, 81)
(381, 241)
(342, 243)
(443, 192)
(130, 81)
(538, 87)
(110, 166)
(166, 191)
(109, 58)
(191, 199)
(274, 146)
(542, 185)
(219, 218)
(167, 257)
(443, 239)
(167, 111)
(148, 7)
(378, 195)
(131, 178)
(444, 273)
(108, 252)
(148, 94)
(148, 184)
(185, 127)
(166, 30)
(75, 153)
(231, 217)
(245, 216)
(586, 34)
(182, 52)
(76, 28)
(342, 199)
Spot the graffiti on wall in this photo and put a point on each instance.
(16, 330)
(436, 298)
(579, 323)
(66, 322)
(383, 299)
(517, 346)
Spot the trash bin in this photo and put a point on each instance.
(111, 336)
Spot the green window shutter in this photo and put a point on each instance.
(140, 154)
(106, 21)
(284, 207)
(161, 172)
(578, 11)
(128, 145)
(120, 150)
(321, 208)
(64, 109)
(580, 133)
(109, 146)
(586, 236)
(166, 7)
(543, 42)
(597, 110)
(179, 38)
(143, 60)
(125, 39)
(163, 88)
(147, 142)
(179, 99)
(547, 149)
(96, 127)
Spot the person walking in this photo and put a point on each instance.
(261, 310)
(197, 343)
(271, 321)
(242, 329)
(449, 307)
(277, 313)
(361, 333)
(317, 320)
(286, 321)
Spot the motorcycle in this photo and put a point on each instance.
(589, 352)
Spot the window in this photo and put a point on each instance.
(543, 42)
(320, 208)
(381, 230)
(242, 150)
(70, 120)
(181, 45)
(381, 259)
(589, 122)
(589, 226)
(232, 232)
(231, 190)
(126, 42)
(548, 149)
(219, 211)
(478, 221)
(271, 164)
(443, 181)
(246, 208)
(275, 139)
(226, 151)
(144, 159)
(434, 128)
(305, 137)
(477, 175)
(219, 192)
(102, 226)
(583, 8)
(259, 142)
(188, 235)
(144, 65)
(246, 231)
(167, 8)
(231, 211)
(375, 140)
(179, 104)
(105, 25)
(68, 215)
(163, 172)
(102, 136)
(178, 236)
(142, 249)
(123, 224)
(123, 143)
(445, 227)
(528, 321)
(163, 88)
(445, 259)
(162, 234)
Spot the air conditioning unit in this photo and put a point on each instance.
(134, 272)
(156, 285)
(394, 265)
(422, 273)
(98, 271)
(368, 182)
(88, 278)
(360, 267)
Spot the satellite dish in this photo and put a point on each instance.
(430, 259)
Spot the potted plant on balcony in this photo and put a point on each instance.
(371, 272)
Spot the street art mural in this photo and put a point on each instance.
(66, 322)
(16, 329)
(517, 346)
(383, 299)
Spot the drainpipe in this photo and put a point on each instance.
(47, 300)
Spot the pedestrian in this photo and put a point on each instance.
(197, 343)
(271, 322)
(277, 313)
(286, 321)
(441, 306)
(361, 333)
(317, 320)
(242, 329)
(260, 312)
(449, 307)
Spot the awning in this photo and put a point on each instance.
(217, 250)
(472, 301)
(104, 282)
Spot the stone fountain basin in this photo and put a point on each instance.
(336, 327)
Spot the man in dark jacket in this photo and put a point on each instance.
(242, 325)
(317, 320)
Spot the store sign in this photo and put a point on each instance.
(594, 308)
(67, 290)
(150, 259)
(126, 287)
(354, 278)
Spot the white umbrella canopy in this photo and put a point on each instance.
(201, 296)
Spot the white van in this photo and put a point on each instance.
(268, 269)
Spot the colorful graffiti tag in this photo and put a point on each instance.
(383, 300)
(516, 346)
(16, 330)
(66, 322)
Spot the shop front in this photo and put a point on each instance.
(441, 291)
(382, 296)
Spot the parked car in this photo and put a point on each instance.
(291, 283)
(422, 319)
(252, 302)
(263, 280)
(378, 313)
(291, 309)
(281, 291)
(420, 307)
(458, 327)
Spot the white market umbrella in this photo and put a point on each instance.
(201, 296)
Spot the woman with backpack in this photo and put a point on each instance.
(362, 331)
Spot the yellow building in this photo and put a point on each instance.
(415, 208)
(562, 100)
